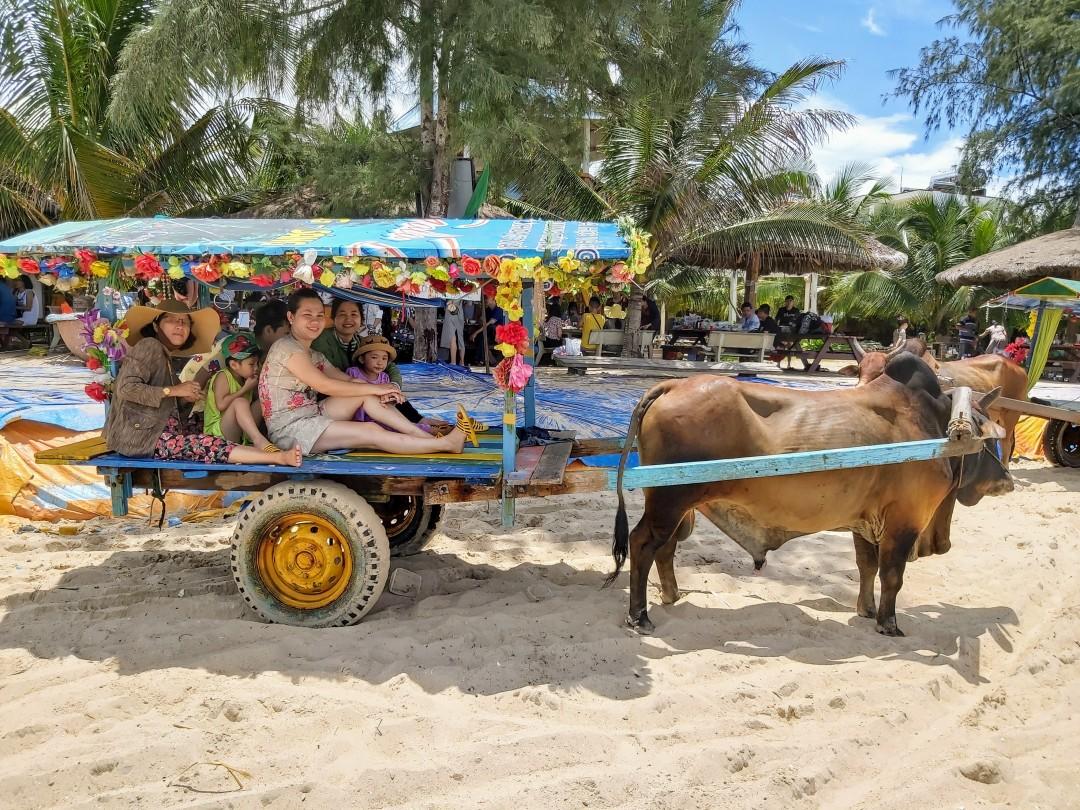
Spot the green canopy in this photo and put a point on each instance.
(1051, 289)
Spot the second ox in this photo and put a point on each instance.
(887, 508)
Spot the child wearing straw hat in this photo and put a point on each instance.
(372, 357)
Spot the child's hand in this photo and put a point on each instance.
(393, 398)
(249, 385)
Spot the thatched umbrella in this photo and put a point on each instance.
(1056, 254)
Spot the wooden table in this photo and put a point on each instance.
(828, 351)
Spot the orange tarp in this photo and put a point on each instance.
(53, 492)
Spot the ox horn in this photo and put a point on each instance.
(986, 400)
(896, 348)
(857, 349)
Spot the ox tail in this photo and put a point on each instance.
(620, 545)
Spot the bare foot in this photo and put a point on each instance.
(455, 440)
(292, 457)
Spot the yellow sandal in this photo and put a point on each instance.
(271, 448)
(469, 426)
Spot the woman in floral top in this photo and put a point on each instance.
(293, 376)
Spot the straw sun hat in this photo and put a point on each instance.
(205, 324)
(375, 343)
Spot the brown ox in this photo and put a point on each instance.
(981, 374)
(887, 508)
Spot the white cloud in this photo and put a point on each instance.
(889, 143)
(870, 24)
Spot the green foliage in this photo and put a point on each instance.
(1011, 73)
(935, 233)
(62, 154)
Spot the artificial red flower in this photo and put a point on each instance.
(367, 281)
(471, 266)
(85, 259)
(515, 334)
(206, 271)
(554, 292)
(147, 267)
(262, 281)
(432, 261)
(96, 391)
(437, 284)
(29, 266)
(491, 265)
(93, 364)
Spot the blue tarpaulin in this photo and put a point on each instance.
(392, 238)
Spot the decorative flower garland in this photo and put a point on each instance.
(105, 348)
(567, 275)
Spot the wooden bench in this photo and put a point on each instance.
(760, 342)
(606, 337)
(812, 361)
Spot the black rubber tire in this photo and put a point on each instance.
(1061, 441)
(355, 520)
(1048, 446)
(420, 523)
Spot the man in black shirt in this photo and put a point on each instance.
(767, 322)
(788, 316)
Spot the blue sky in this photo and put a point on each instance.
(872, 37)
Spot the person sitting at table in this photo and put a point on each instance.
(750, 322)
(766, 320)
(650, 314)
(150, 413)
(28, 301)
(788, 316)
(553, 326)
(573, 316)
(293, 376)
(593, 321)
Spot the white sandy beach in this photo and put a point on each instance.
(126, 656)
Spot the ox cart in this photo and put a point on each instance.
(313, 547)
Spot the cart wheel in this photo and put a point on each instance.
(1061, 441)
(1049, 447)
(409, 523)
(310, 553)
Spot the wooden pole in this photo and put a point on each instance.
(529, 297)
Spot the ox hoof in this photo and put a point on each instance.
(670, 598)
(641, 625)
(867, 612)
(890, 629)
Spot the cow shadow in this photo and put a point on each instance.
(476, 627)
(1067, 478)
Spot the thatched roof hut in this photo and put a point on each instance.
(1056, 254)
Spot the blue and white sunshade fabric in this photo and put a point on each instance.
(384, 238)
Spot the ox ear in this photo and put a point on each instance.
(986, 400)
(992, 430)
(851, 370)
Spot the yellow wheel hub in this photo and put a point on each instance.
(304, 561)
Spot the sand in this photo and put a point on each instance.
(128, 664)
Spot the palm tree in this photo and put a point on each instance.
(935, 233)
(719, 183)
(63, 155)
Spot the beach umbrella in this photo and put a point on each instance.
(1056, 254)
(1050, 297)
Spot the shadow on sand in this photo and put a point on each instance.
(154, 610)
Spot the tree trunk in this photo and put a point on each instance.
(632, 324)
(426, 89)
(752, 273)
(426, 342)
(441, 158)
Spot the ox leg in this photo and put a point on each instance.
(893, 556)
(647, 538)
(665, 561)
(866, 556)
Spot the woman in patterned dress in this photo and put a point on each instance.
(293, 376)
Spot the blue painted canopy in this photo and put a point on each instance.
(387, 238)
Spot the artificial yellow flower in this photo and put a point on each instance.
(175, 270)
(11, 267)
(569, 263)
(99, 268)
(506, 349)
(235, 269)
(384, 276)
(440, 273)
(327, 278)
(99, 333)
(514, 311)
